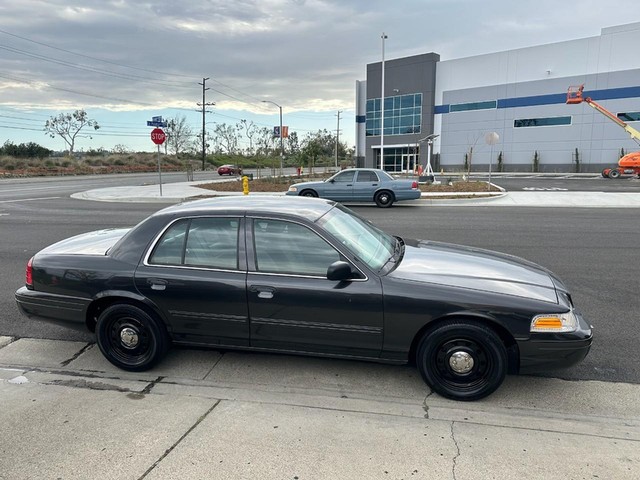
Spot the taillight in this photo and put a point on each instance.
(29, 274)
(414, 186)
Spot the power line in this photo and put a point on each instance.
(89, 68)
(94, 58)
(48, 85)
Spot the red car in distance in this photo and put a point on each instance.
(229, 170)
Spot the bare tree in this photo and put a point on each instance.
(196, 145)
(250, 131)
(472, 140)
(265, 141)
(179, 134)
(68, 125)
(226, 136)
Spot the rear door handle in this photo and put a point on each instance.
(157, 283)
(263, 291)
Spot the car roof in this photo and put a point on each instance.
(301, 207)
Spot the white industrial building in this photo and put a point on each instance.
(519, 94)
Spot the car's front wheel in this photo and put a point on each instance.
(308, 193)
(130, 338)
(462, 360)
(384, 199)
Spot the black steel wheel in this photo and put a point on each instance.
(614, 173)
(308, 193)
(130, 338)
(384, 199)
(462, 360)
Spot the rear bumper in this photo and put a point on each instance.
(408, 195)
(59, 309)
(550, 351)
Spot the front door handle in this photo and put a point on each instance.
(263, 291)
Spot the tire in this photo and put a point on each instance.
(384, 199)
(130, 338)
(605, 173)
(308, 193)
(614, 173)
(471, 380)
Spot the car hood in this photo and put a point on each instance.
(474, 268)
(91, 243)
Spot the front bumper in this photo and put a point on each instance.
(544, 351)
(59, 309)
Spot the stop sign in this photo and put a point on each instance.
(157, 136)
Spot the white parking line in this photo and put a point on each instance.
(28, 199)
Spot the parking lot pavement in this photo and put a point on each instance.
(67, 413)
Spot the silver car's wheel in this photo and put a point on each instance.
(308, 193)
(384, 199)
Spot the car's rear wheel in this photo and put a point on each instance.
(130, 338)
(462, 360)
(308, 193)
(384, 199)
(614, 173)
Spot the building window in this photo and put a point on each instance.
(541, 122)
(465, 107)
(629, 116)
(402, 115)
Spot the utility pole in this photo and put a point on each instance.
(384, 37)
(338, 136)
(204, 105)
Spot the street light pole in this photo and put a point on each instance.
(281, 136)
(384, 37)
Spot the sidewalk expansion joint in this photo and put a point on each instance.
(170, 449)
(455, 458)
(152, 384)
(215, 365)
(82, 350)
(425, 406)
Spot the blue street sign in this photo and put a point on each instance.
(156, 124)
(156, 119)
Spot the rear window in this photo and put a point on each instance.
(199, 242)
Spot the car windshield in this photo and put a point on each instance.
(370, 244)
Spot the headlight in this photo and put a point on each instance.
(555, 322)
(293, 189)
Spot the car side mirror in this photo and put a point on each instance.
(339, 271)
(332, 180)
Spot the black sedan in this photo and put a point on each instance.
(307, 276)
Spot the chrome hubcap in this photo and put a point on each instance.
(461, 362)
(129, 337)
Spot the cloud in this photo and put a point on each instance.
(304, 54)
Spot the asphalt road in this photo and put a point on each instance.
(593, 250)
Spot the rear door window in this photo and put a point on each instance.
(206, 242)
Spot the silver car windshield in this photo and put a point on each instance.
(367, 242)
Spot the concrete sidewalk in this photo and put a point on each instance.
(67, 413)
(178, 192)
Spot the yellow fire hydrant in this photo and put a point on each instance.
(245, 185)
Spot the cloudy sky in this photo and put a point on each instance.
(125, 60)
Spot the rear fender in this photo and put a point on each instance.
(106, 298)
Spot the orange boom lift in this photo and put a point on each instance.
(627, 165)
